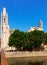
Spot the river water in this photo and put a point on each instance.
(28, 61)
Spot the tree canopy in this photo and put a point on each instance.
(27, 40)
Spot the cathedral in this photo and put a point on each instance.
(5, 30)
(40, 27)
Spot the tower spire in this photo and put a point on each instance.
(4, 16)
(4, 11)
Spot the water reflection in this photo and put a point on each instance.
(35, 63)
(27, 61)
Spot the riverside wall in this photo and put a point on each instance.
(26, 54)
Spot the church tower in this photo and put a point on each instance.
(40, 24)
(4, 29)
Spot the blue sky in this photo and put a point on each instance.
(23, 14)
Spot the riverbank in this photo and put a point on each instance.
(26, 54)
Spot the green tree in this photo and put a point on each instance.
(45, 39)
(37, 38)
(18, 39)
(27, 41)
(11, 41)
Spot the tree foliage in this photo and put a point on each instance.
(45, 39)
(27, 40)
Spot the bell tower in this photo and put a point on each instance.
(4, 29)
(41, 24)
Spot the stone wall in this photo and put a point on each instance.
(25, 54)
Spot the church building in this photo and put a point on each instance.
(5, 30)
(40, 27)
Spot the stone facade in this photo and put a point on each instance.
(5, 30)
(27, 54)
(40, 27)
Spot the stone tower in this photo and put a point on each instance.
(40, 27)
(4, 29)
(40, 24)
